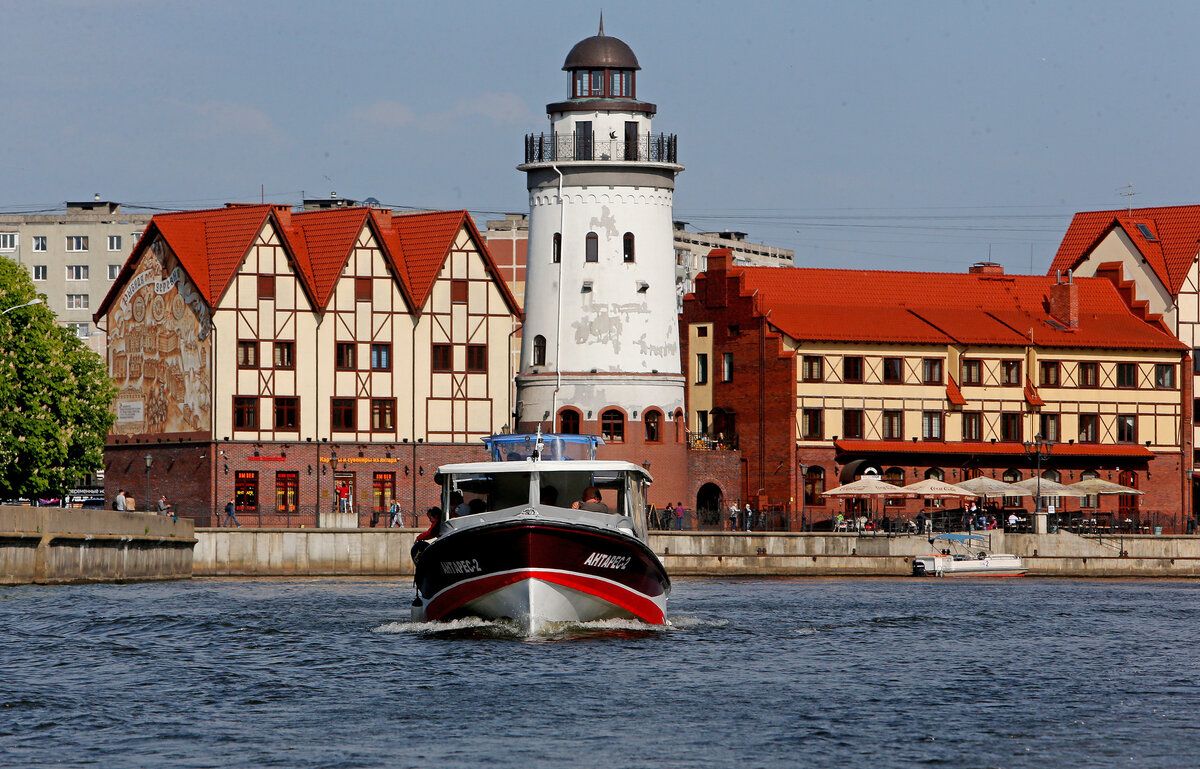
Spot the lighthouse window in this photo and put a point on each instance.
(620, 83)
(557, 247)
(581, 83)
(592, 254)
(596, 84)
(628, 247)
(539, 350)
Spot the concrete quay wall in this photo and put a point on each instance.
(46, 545)
(384, 552)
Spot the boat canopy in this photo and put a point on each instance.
(965, 539)
(551, 446)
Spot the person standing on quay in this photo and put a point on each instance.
(119, 502)
(397, 519)
(679, 517)
(130, 503)
(749, 517)
(231, 514)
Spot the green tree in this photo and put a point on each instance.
(55, 396)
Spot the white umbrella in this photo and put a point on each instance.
(1049, 488)
(984, 486)
(1101, 486)
(867, 486)
(931, 487)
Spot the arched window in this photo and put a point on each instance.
(612, 426)
(592, 254)
(628, 246)
(1011, 476)
(539, 350)
(568, 422)
(653, 421)
(679, 426)
(1091, 500)
(935, 474)
(894, 476)
(814, 486)
(557, 247)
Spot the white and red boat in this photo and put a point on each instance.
(517, 549)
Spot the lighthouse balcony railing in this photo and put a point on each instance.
(555, 147)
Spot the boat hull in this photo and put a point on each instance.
(540, 571)
(998, 565)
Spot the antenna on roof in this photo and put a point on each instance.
(1129, 193)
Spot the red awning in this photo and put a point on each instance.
(999, 448)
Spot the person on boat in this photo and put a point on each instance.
(591, 501)
(548, 496)
(426, 538)
(457, 505)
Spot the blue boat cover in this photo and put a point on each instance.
(964, 538)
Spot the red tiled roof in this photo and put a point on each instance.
(327, 238)
(940, 308)
(953, 394)
(1010, 448)
(1031, 394)
(1170, 255)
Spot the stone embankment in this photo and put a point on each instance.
(44, 545)
(384, 552)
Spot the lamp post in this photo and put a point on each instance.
(30, 303)
(1037, 448)
(803, 493)
(149, 464)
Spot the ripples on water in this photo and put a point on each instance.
(824, 673)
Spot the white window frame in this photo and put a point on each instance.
(81, 329)
(77, 272)
(114, 270)
(39, 243)
(114, 242)
(40, 272)
(8, 241)
(77, 301)
(77, 243)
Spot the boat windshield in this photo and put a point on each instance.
(519, 447)
(622, 492)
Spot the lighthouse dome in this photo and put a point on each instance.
(601, 52)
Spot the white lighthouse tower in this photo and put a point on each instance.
(600, 344)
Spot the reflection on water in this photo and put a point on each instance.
(1024, 673)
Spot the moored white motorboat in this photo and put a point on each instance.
(966, 555)
(518, 550)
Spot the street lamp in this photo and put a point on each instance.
(149, 463)
(19, 306)
(803, 493)
(1037, 448)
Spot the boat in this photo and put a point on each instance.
(966, 555)
(510, 543)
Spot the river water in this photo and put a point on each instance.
(751, 673)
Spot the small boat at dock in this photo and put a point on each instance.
(966, 555)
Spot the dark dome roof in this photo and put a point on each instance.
(601, 52)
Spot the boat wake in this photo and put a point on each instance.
(475, 627)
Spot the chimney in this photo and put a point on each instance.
(1064, 302)
(283, 213)
(987, 268)
(717, 277)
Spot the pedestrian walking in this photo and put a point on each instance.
(397, 517)
(231, 514)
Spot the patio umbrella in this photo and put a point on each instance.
(1050, 488)
(931, 487)
(984, 486)
(1101, 486)
(866, 487)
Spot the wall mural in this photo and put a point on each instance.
(159, 346)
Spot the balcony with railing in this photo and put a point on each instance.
(556, 147)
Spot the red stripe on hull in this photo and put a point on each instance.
(457, 596)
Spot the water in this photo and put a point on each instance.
(752, 673)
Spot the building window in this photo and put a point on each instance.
(381, 357)
(114, 242)
(1126, 428)
(931, 425)
(813, 368)
(362, 289)
(812, 424)
(702, 421)
(618, 83)
(592, 250)
(931, 371)
(459, 291)
(39, 272)
(77, 301)
(247, 354)
(287, 413)
(1049, 427)
(285, 355)
(726, 367)
(80, 329)
(287, 492)
(627, 246)
(477, 355)
(1012, 476)
(442, 358)
(568, 422)
(701, 368)
(114, 270)
(77, 243)
(702, 332)
(245, 491)
(245, 413)
(1127, 375)
(653, 422)
(383, 488)
(39, 243)
(893, 370)
(383, 414)
(539, 350)
(1089, 428)
(1164, 376)
(894, 476)
(342, 414)
(814, 486)
(852, 423)
(77, 272)
(556, 255)
(1089, 374)
(612, 426)
(1010, 373)
(893, 425)
(266, 286)
(1010, 427)
(8, 241)
(972, 426)
(343, 358)
(972, 372)
(1049, 373)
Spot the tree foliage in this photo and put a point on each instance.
(55, 396)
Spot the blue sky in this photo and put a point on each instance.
(894, 135)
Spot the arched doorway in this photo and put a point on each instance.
(708, 506)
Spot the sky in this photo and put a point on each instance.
(868, 135)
